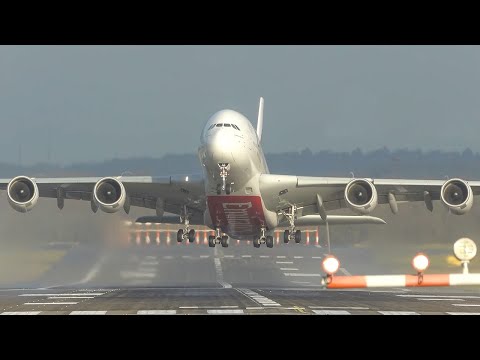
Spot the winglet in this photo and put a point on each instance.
(260, 120)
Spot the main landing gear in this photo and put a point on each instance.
(186, 233)
(263, 239)
(224, 186)
(218, 239)
(291, 234)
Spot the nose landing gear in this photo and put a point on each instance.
(218, 239)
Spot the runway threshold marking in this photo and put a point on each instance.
(156, 312)
(260, 299)
(219, 271)
(331, 312)
(20, 313)
(88, 312)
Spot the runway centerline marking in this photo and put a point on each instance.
(430, 299)
(331, 312)
(340, 307)
(93, 271)
(466, 305)
(53, 303)
(88, 313)
(20, 313)
(440, 296)
(398, 313)
(204, 256)
(298, 257)
(281, 257)
(70, 297)
(225, 312)
(288, 269)
(219, 271)
(462, 313)
(317, 257)
(284, 262)
(156, 312)
(63, 294)
(300, 274)
(264, 256)
(246, 256)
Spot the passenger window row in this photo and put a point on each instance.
(225, 125)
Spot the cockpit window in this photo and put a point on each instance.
(211, 127)
(236, 127)
(219, 125)
(226, 125)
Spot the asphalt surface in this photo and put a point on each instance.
(195, 279)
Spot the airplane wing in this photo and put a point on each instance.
(316, 195)
(174, 192)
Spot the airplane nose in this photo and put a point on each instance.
(220, 145)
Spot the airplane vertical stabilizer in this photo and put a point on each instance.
(260, 120)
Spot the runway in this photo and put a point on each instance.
(198, 280)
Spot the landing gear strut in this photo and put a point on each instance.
(218, 239)
(292, 234)
(263, 239)
(224, 186)
(186, 232)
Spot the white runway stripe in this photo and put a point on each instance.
(72, 294)
(317, 257)
(300, 274)
(284, 262)
(246, 256)
(224, 312)
(435, 299)
(466, 305)
(298, 257)
(53, 303)
(288, 269)
(264, 256)
(70, 297)
(398, 313)
(440, 296)
(204, 256)
(281, 257)
(156, 312)
(20, 313)
(331, 312)
(88, 312)
(228, 256)
(340, 307)
(462, 313)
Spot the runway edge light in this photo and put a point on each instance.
(330, 264)
(420, 262)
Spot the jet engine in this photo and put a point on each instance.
(109, 195)
(457, 195)
(361, 196)
(22, 193)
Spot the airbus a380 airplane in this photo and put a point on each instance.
(237, 196)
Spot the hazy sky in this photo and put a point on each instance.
(96, 102)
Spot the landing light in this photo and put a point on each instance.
(420, 262)
(330, 265)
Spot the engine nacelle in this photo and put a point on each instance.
(109, 195)
(457, 195)
(22, 193)
(361, 196)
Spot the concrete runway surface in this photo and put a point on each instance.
(196, 279)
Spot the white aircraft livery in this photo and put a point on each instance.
(237, 196)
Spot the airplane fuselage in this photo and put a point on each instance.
(229, 140)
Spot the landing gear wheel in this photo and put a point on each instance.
(228, 189)
(191, 236)
(219, 189)
(224, 241)
(286, 236)
(211, 241)
(269, 241)
(180, 235)
(256, 243)
(298, 236)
